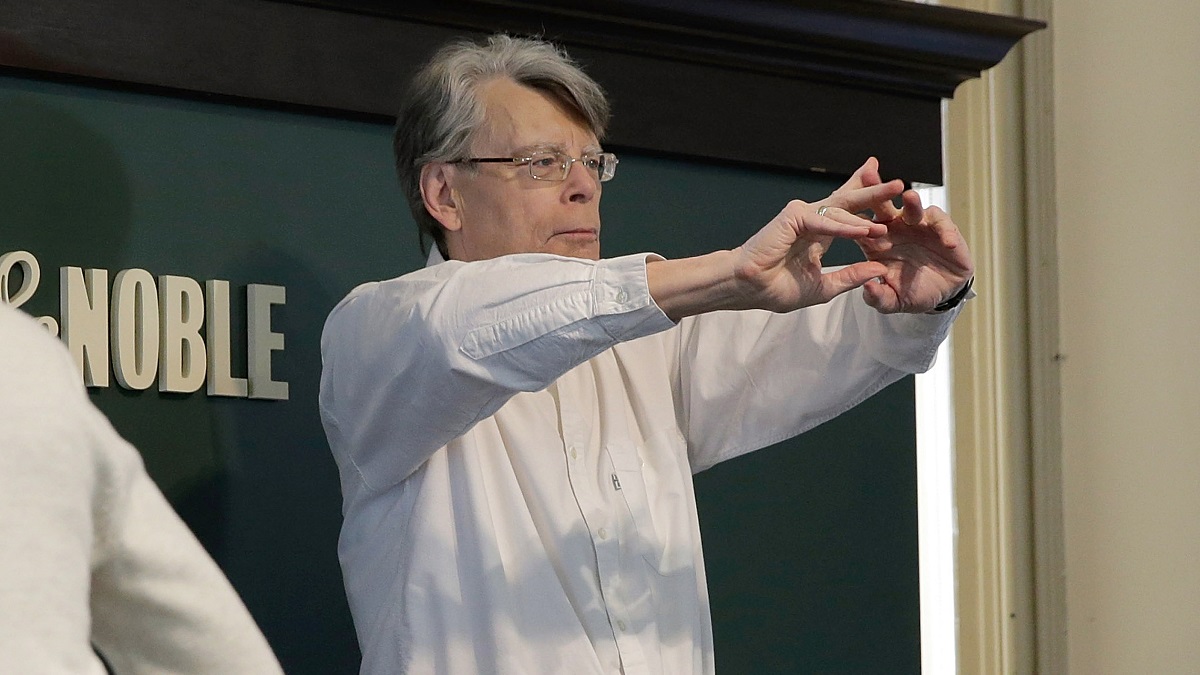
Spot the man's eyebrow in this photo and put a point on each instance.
(538, 147)
(553, 147)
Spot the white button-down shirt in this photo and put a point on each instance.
(516, 439)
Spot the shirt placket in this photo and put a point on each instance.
(585, 469)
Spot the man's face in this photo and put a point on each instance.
(500, 209)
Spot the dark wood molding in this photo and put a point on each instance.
(793, 84)
(893, 45)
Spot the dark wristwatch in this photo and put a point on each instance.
(954, 300)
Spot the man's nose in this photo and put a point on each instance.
(582, 185)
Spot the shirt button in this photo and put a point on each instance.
(622, 296)
(571, 451)
(621, 625)
(603, 533)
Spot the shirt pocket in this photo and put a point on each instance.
(657, 505)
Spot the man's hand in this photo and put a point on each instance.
(780, 266)
(926, 258)
(916, 257)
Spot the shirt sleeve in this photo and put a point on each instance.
(159, 602)
(746, 380)
(46, 487)
(93, 554)
(412, 363)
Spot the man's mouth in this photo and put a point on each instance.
(582, 232)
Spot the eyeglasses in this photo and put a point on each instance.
(554, 166)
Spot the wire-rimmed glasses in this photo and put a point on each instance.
(553, 165)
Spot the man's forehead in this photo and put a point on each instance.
(525, 119)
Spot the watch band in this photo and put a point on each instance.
(954, 300)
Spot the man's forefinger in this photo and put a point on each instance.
(832, 221)
(869, 197)
(866, 175)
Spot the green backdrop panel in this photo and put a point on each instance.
(811, 545)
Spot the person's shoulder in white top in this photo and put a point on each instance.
(93, 557)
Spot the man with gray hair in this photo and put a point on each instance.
(516, 425)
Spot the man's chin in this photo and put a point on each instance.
(575, 248)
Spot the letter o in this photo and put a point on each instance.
(135, 328)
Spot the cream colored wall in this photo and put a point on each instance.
(1127, 146)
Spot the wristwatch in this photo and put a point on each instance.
(954, 300)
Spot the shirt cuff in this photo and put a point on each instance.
(620, 288)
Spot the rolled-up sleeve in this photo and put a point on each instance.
(749, 379)
(411, 363)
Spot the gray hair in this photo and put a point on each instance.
(442, 113)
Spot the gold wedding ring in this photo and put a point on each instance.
(821, 211)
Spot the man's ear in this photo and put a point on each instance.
(438, 194)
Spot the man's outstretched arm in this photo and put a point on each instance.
(916, 257)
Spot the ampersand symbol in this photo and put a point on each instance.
(31, 276)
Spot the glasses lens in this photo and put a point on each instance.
(608, 166)
(548, 165)
(555, 166)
